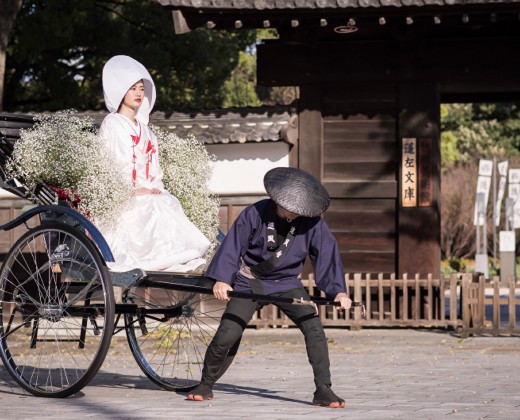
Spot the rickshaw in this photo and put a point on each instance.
(59, 312)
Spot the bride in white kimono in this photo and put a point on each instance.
(154, 233)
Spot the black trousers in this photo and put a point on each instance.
(237, 315)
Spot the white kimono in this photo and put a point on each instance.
(154, 234)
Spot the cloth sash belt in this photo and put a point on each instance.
(254, 282)
(276, 251)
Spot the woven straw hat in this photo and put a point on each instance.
(296, 191)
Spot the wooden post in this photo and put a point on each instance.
(465, 309)
(357, 297)
(310, 130)
(429, 287)
(419, 227)
(442, 303)
(453, 297)
(347, 283)
(230, 216)
(392, 297)
(417, 298)
(381, 297)
(482, 300)
(496, 307)
(512, 303)
(368, 297)
(405, 297)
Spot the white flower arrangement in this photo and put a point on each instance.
(64, 151)
(187, 168)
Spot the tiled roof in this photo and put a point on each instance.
(236, 125)
(235, 14)
(246, 125)
(317, 4)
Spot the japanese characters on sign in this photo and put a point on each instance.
(502, 170)
(485, 170)
(409, 173)
(514, 193)
(416, 172)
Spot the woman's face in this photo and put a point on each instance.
(134, 96)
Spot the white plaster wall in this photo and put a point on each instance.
(240, 168)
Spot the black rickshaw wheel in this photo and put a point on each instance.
(170, 333)
(57, 310)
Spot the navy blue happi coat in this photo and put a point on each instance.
(245, 245)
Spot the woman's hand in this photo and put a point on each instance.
(344, 300)
(221, 289)
(145, 191)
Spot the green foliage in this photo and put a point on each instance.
(473, 131)
(455, 115)
(267, 33)
(239, 89)
(480, 139)
(457, 265)
(58, 48)
(450, 154)
(466, 265)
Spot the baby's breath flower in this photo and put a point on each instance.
(64, 151)
(187, 170)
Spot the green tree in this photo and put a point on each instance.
(57, 51)
(450, 154)
(10, 9)
(239, 89)
(473, 131)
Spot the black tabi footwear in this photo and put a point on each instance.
(201, 392)
(324, 397)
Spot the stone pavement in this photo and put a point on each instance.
(382, 373)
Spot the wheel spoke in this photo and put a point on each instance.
(172, 352)
(53, 286)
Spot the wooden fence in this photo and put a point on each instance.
(460, 302)
(489, 307)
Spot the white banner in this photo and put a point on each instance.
(514, 176)
(514, 194)
(500, 197)
(483, 185)
(502, 170)
(485, 167)
(516, 215)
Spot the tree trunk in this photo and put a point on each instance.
(10, 9)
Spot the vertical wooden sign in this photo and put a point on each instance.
(409, 173)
